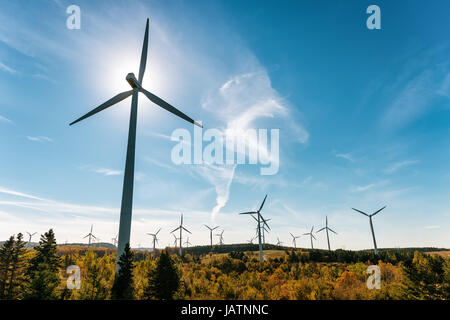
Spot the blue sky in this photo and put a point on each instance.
(363, 118)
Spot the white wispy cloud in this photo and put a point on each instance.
(221, 178)
(417, 91)
(397, 166)
(40, 139)
(346, 156)
(4, 67)
(364, 188)
(4, 119)
(107, 172)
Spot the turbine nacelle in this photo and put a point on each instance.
(131, 79)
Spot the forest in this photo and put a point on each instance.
(222, 272)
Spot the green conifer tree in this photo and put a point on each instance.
(123, 282)
(43, 271)
(163, 281)
(11, 267)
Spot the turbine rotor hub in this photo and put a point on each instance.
(131, 79)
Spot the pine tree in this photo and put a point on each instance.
(6, 253)
(43, 271)
(123, 283)
(11, 267)
(164, 281)
(17, 266)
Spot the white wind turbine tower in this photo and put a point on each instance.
(155, 239)
(90, 235)
(371, 226)
(128, 180)
(220, 235)
(181, 228)
(311, 236)
(211, 233)
(260, 220)
(326, 229)
(294, 240)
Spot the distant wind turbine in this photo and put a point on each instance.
(371, 226)
(326, 229)
(155, 239)
(260, 220)
(114, 241)
(175, 241)
(211, 233)
(90, 235)
(220, 235)
(181, 228)
(30, 236)
(311, 236)
(187, 243)
(294, 238)
(279, 243)
(128, 180)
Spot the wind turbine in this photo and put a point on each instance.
(90, 235)
(371, 225)
(175, 241)
(260, 220)
(311, 236)
(30, 236)
(263, 228)
(181, 228)
(294, 238)
(187, 243)
(155, 239)
(251, 240)
(220, 235)
(128, 180)
(114, 241)
(279, 243)
(210, 233)
(326, 228)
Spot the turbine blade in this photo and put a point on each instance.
(332, 231)
(160, 102)
(321, 229)
(175, 230)
(252, 212)
(143, 55)
(157, 232)
(291, 235)
(313, 236)
(264, 221)
(377, 211)
(262, 204)
(361, 212)
(86, 236)
(208, 227)
(186, 230)
(103, 106)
